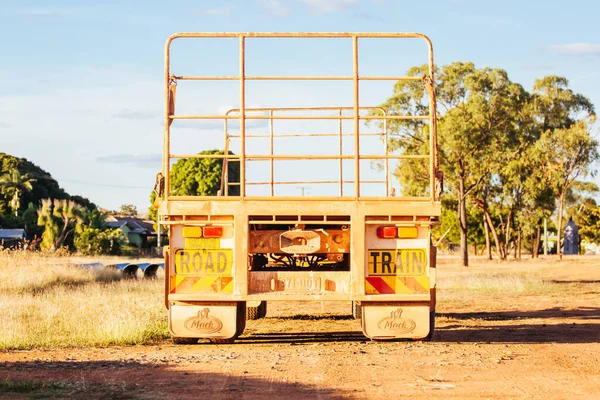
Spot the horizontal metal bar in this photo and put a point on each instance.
(327, 108)
(373, 35)
(393, 157)
(291, 78)
(301, 157)
(306, 182)
(230, 157)
(306, 135)
(314, 199)
(304, 117)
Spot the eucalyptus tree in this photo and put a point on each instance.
(569, 154)
(478, 108)
(566, 145)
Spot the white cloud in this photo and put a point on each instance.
(576, 49)
(275, 7)
(327, 6)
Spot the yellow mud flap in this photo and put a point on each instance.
(207, 320)
(389, 321)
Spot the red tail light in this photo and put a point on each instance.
(212, 231)
(387, 232)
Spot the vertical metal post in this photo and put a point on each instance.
(242, 79)
(225, 177)
(545, 236)
(387, 160)
(271, 150)
(158, 239)
(356, 120)
(433, 156)
(341, 152)
(166, 158)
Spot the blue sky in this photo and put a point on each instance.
(81, 81)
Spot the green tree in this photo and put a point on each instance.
(202, 176)
(569, 154)
(565, 143)
(44, 186)
(94, 241)
(478, 112)
(13, 184)
(59, 218)
(128, 210)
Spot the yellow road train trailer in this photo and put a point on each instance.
(254, 242)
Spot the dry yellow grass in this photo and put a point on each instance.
(45, 302)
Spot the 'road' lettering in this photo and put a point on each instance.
(210, 262)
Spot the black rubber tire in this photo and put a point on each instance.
(184, 340)
(259, 312)
(356, 310)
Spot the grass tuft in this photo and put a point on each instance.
(48, 302)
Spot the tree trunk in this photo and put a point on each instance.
(507, 234)
(462, 219)
(519, 244)
(559, 224)
(535, 252)
(488, 245)
(494, 233)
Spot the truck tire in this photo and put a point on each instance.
(259, 312)
(356, 310)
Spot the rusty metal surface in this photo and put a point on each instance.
(268, 241)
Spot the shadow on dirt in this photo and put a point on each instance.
(302, 337)
(142, 380)
(582, 325)
(315, 317)
(580, 313)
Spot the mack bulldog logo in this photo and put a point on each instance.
(396, 323)
(203, 323)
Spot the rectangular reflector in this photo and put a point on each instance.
(408, 232)
(387, 232)
(212, 231)
(191, 232)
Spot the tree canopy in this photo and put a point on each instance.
(508, 152)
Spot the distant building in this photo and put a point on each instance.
(11, 238)
(139, 231)
(571, 241)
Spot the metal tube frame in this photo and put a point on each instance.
(242, 117)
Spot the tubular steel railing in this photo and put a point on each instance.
(273, 114)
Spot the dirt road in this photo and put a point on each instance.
(545, 346)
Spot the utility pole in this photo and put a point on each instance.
(545, 236)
